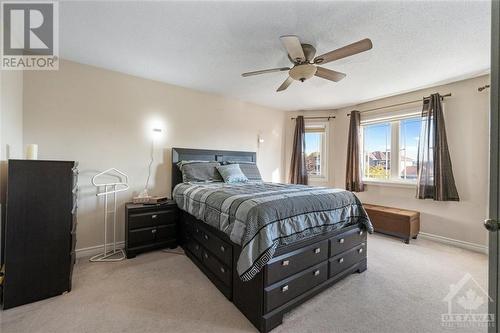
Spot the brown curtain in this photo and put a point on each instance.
(435, 175)
(298, 173)
(353, 179)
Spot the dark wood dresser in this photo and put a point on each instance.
(39, 224)
(150, 227)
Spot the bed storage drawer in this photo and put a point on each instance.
(195, 248)
(284, 291)
(217, 268)
(346, 241)
(222, 250)
(288, 264)
(346, 259)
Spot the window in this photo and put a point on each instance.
(390, 148)
(409, 132)
(316, 142)
(377, 151)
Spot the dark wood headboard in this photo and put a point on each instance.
(186, 154)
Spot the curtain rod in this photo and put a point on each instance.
(326, 117)
(399, 104)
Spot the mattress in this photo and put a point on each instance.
(262, 216)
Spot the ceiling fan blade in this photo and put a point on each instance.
(293, 47)
(329, 74)
(264, 71)
(346, 51)
(285, 84)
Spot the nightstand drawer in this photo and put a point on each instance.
(152, 219)
(141, 236)
(165, 232)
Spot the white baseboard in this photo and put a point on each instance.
(455, 242)
(93, 250)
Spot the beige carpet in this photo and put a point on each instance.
(401, 291)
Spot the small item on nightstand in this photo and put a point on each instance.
(149, 200)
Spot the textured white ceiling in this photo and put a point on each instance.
(207, 45)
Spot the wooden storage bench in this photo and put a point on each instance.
(401, 223)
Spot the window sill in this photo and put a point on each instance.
(389, 183)
(318, 179)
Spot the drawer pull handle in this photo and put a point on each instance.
(222, 248)
(205, 255)
(154, 216)
(222, 270)
(318, 250)
(284, 288)
(360, 250)
(341, 260)
(285, 263)
(153, 231)
(316, 272)
(341, 241)
(205, 236)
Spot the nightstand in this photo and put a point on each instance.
(150, 227)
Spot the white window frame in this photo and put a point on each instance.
(324, 149)
(393, 119)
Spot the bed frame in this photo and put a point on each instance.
(296, 273)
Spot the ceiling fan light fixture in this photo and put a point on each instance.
(302, 72)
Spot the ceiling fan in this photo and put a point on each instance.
(305, 65)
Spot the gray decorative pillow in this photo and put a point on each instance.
(231, 173)
(200, 172)
(183, 162)
(249, 169)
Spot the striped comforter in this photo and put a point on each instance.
(262, 216)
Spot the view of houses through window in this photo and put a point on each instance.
(409, 132)
(377, 151)
(315, 139)
(378, 144)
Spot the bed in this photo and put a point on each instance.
(268, 247)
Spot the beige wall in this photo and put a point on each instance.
(104, 119)
(11, 114)
(466, 115)
(11, 126)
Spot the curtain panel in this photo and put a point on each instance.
(298, 172)
(434, 170)
(353, 177)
